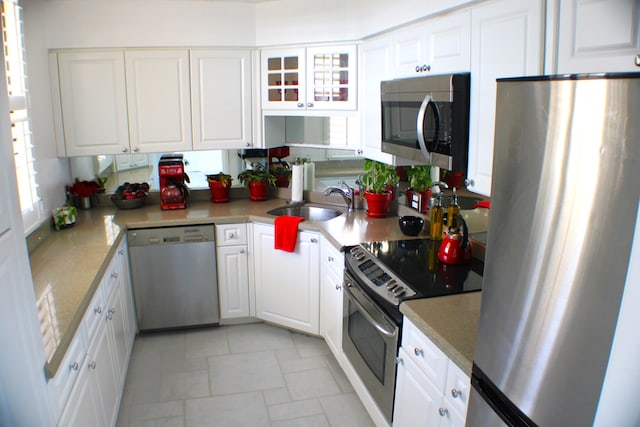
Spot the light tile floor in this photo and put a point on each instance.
(242, 375)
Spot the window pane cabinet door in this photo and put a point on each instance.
(331, 78)
(283, 74)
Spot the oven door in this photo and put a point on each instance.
(370, 342)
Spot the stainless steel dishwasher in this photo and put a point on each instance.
(173, 270)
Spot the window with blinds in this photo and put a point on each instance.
(15, 70)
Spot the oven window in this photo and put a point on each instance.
(367, 341)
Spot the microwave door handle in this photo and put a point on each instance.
(370, 319)
(420, 124)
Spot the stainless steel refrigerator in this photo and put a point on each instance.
(558, 342)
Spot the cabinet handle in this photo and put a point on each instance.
(399, 361)
(426, 67)
(418, 69)
(443, 412)
(469, 182)
(241, 251)
(114, 275)
(231, 235)
(456, 393)
(121, 251)
(112, 310)
(124, 149)
(310, 105)
(92, 365)
(97, 310)
(300, 105)
(637, 60)
(338, 287)
(330, 259)
(418, 352)
(74, 366)
(136, 149)
(360, 152)
(109, 316)
(314, 240)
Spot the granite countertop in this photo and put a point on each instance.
(69, 264)
(451, 322)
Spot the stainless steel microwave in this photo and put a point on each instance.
(426, 119)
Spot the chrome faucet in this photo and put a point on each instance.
(346, 191)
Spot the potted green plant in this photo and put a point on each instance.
(419, 183)
(282, 172)
(377, 179)
(257, 179)
(219, 186)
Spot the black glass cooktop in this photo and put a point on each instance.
(416, 263)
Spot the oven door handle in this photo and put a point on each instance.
(381, 328)
(420, 125)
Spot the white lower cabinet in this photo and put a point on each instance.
(109, 328)
(287, 284)
(332, 270)
(430, 389)
(233, 271)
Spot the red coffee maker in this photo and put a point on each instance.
(173, 190)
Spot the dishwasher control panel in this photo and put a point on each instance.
(171, 235)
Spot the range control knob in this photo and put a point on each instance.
(392, 284)
(399, 291)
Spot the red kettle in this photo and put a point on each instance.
(456, 247)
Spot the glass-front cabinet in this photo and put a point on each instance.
(315, 78)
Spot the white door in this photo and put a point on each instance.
(449, 43)
(331, 78)
(221, 98)
(599, 36)
(233, 281)
(506, 41)
(287, 283)
(94, 102)
(158, 94)
(410, 56)
(84, 407)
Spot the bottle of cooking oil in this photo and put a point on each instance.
(437, 212)
(453, 210)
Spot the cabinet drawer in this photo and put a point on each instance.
(69, 369)
(231, 234)
(110, 279)
(94, 312)
(457, 388)
(429, 358)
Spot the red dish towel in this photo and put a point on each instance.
(286, 232)
(483, 204)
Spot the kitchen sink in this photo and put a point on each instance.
(311, 213)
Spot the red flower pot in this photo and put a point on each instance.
(258, 190)
(219, 192)
(377, 204)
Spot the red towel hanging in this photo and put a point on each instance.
(286, 232)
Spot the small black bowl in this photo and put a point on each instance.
(411, 225)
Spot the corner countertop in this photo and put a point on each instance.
(450, 322)
(68, 265)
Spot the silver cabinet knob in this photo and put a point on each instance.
(300, 105)
(399, 361)
(314, 240)
(74, 366)
(338, 287)
(637, 60)
(247, 144)
(231, 235)
(418, 352)
(241, 251)
(418, 68)
(97, 310)
(330, 259)
(310, 105)
(92, 365)
(426, 67)
(136, 149)
(443, 412)
(114, 275)
(455, 393)
(112, 310)
(121, 252)
(124, 149)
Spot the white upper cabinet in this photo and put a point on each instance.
(437, 46)
(92, 93)
(313, 78)
(158, 98)
(221, 98)
(599, 36)
(506, 41)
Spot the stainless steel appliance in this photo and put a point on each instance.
(378, 277)
(557, 343)
(173, 270)
(426, 119)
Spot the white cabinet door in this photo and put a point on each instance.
(94, 102)
(233, 281)
(331, 78)
(375, 66)
(84, 407)
(158, 95)
(410, 51)
(332, 267)
(127, 295)
(287, 283)
(117, 324)
(283, 78)
(417, 400)
(221, 98)
(449, 43)
(506, 41)
(599, 36)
